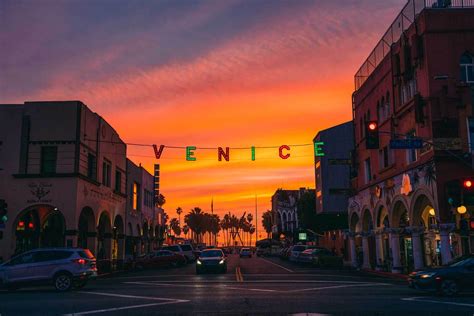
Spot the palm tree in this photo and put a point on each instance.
(195, 220)
(225, 225)
(267, 222)
(160, 200)
(179, 210)
(186, 231)
(252, 231)
(174, 225)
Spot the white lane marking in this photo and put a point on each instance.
(247, 289)
(131, 296)
(275, 264)
(419, 299)
(336, 287)
(97, 311)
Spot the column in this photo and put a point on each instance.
(379, 249)
(394, 236)
(353, 249)
(365, 250)
(444, 230)
(417, 247)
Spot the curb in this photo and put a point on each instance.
(396, 276)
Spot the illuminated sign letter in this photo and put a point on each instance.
(220, 153)
(158, 152)
(190, 153)
(253, 153)
(281, 151)
(318, 151)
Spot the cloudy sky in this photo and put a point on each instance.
(203, 73)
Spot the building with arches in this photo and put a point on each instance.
(417, 82)
(62, 173)
(285, 212)
(143, 216)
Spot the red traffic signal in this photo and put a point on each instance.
(371, 135)
(467, 183)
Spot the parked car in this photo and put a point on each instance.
(295, 251)
(321, 257)
(159, 259)
(186, 250)
(284, 253)
(211, 260)
(260, 251)
(245, 252)
(65, 268)
(448, 280)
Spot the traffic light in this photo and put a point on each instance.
(371, 135)
(3, 212)
(468, 191)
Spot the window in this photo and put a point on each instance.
(411, 153)
(106, 173)
(409, 90)
(467, 68)
(384, 158)
(49, 156)
(135, 196)
(471, 133)
(118, 181)
(368, 171)
(92, 166)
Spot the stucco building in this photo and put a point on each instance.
(417, 83)
(62, 173)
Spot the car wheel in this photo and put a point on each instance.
(63, 282)
(449, 288)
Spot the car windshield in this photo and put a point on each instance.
(212, 253)
(86, 253)
(245, 249)
(186, 248)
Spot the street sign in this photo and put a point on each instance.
(340, 161)
(302, 236)
(407, 143)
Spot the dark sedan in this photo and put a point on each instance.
(448, 280)
(160, 258)
(211, 260)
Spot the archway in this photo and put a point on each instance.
(53, 230)
(86, 230)
(39, 226)
(424, 217)
(368, 239)
(403, 244)
(118, 239)
(104, 236)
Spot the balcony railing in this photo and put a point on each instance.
(401, 23)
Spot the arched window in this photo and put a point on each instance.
(467, 68)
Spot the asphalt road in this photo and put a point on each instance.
(256, 286)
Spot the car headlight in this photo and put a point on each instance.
(427, 275)
(198, 262)
(221, 262)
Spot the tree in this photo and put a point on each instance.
(186, 231)
(179, 210)
(160, 200)
(174, 225)
(195, 220)
(267, 222)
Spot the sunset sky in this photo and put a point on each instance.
(202, 73)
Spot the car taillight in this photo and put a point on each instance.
(80, 261)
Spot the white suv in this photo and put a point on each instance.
(65, 268)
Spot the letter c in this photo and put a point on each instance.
(280, 151)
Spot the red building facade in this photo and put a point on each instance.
(417, 83)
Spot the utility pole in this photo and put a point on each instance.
(256, 221)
